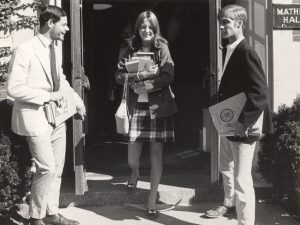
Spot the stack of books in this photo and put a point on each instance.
(141, 61)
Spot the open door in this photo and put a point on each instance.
(214, 76)
(259, 34)
(78, 82)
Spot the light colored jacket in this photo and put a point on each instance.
(30, 84)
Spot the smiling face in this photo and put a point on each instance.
(231, 29)
(59, 29)
(146, 32)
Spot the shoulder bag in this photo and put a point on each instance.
(122, 116)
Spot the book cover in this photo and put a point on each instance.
(136, 64)
(228, 111)
(149, 55)
(132, 66)
(145, 64)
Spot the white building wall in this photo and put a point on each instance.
(286, 64)
(23, 35)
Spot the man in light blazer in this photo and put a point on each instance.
(35, 79)
(242, 72)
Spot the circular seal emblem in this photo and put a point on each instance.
(226, 115)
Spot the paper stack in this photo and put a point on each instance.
(136, 64)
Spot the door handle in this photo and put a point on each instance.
(85, 80)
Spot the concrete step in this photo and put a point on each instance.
(266, 214)
(179, 188)
(185, 179)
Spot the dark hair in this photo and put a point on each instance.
(135, 41)
(234, 12)
(51, 12)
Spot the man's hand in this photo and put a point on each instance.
(81, 112)
(57, 97)
(239, 129)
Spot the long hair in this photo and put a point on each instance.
(51, 12)
(135, 42)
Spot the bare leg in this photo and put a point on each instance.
(134, 154)
(156, 149)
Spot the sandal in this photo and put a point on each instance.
(131, 187)
(152, 213)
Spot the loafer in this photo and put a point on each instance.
(131, 187)
(152, 213)
(59, 219)
(219, 211)
(33, 221)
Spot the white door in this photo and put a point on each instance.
(259, 35)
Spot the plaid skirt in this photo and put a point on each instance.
(144, 129)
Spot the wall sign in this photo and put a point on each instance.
(286, 16)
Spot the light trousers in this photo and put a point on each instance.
(236, 165)
(48, 152)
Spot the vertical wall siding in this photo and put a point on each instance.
(286, 59)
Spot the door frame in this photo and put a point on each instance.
(215, 74)
(211, 136)
(77, 83)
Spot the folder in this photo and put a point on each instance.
(58, 114)
(228, 111)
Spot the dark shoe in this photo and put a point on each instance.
(33, 221)
(131, 187)
(59, 219)
(219, 211)
(152, 213)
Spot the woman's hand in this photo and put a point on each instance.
(148, 85)
(139, 88)
(153, 69)
(151, 72)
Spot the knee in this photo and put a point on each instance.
(155, 157)
(46, 170)
(156, 151)
(243, 183)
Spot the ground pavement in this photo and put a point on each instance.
(185, 192)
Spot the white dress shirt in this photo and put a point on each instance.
(230, 49)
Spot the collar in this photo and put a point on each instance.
(45, 41)
(234, 44)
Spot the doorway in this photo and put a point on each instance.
(185, 24)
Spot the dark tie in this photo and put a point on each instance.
(53, 68)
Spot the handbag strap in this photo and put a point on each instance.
(124, 96)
